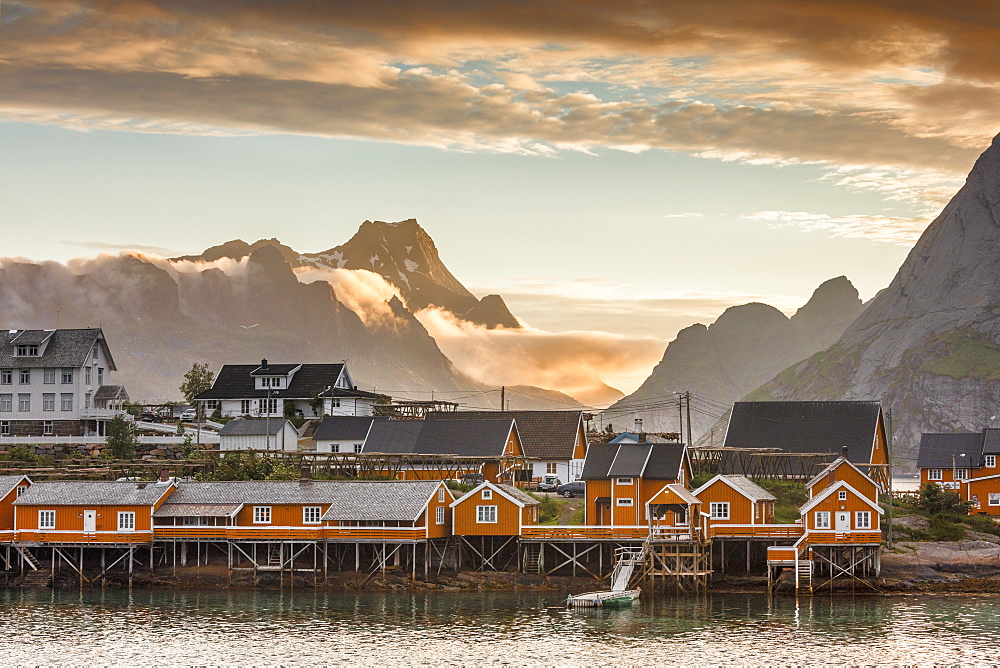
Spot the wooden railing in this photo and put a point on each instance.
(191, 532)
(6, 536)
(580, 531)
(755, 530)
(387, 534)
(375, 534)
(29, 536)
(783, 554)
(834, 537)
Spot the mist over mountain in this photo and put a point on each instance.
(745, 347)
(928, 345)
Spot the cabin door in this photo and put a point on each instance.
(843, 520)
(90, 521)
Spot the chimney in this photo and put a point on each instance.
(263, 363)
(843, 452)
(305, 474)
(164, 475)
(642, 437)
(140, 485)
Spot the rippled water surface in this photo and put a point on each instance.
(268, 627)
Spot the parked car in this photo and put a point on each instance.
(472, 478)
(189, 414)
(549, 483)
(150, 416)
(571, 489)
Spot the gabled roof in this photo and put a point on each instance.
(274, 370)
(253, 426)
(235, 382)
(344, 428)
(947, 450)
(678, 489)
(31, 336)
(544, 434)
(468, 438)
(991, 441)
(656, 461)
(80, 493)
(107, 392)
(832, 466)
(513, 494)
(66, 348)
(742, 485)
(804, 427)
(389, 501)
(840, 484)
(9, 482)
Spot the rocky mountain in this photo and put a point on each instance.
(160, 317)
(746, 346)
(928, 345)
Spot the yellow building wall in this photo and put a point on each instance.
(508, 516)
(832, 504)
(741, 510)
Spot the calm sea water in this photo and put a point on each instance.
(266, 627)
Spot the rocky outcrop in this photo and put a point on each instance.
(491, 312)
(928, 346)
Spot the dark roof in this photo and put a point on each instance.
(235, 382)
(252, 427)
(991, 442)
(544, 434)
(31, 336)
(274, 370)
(344, 428)
(9, 482)
(937, 450)
(467, 438)
(110, 392)
(66, 348)
(805, 427)
(655, 461)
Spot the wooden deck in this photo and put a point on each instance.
(750, 531)
(298, 534)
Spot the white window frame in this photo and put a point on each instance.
(822, 519)
(4, 427)
(718, 510)
(842, 495)
(24, 402)
(126, 521)
(24, 377)
(262, 514)
(990, 461)
(312, 514)
(486, 514)
(49, 376)
(994, 499)
(623, 481)
(863, 519)
(66, 401)
(86, 376)
(624, 502)
(551, 468)
(49, 401)
(21, 489)
(48, 428)
(441, 495)
(67, 376)
(358, 447)
(439, 515)
(934, 474)
(961, 474)
(246, 406)
(46, 520)
(334, 403)
(6, 376)
(6, 403)
(335, 447)
(487, 494)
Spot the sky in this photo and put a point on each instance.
(624, 167)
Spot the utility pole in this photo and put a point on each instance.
(680, 416)
(503, 404)
(687, 395)
(888, 459)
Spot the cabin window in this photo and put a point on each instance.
(623, 481)
(334, 403)
(487, 494)
(262, 514)
(48, 429)
(624, 502)
(551, 468)
(823, 519)
(358, 447)
(994, 499)
(990, 461)
(719, 510)
(933, 474)
(335, 447)
(246, 406)
(5, 428)
(441, 495)
(21, 489)
(961, 474)
(486, 514)
(842, 495)
(439, 515)
(126, 521)
(311, 514)
(863, 519)
(46, 519)
(24, 378)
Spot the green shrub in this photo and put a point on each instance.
(20, 453)
(946, 531)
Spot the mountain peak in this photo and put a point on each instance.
(492, 312)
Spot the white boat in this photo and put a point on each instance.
(604, 599)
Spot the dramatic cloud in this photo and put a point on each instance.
(902, 231)
(362, 291)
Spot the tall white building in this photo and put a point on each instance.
(57, 382)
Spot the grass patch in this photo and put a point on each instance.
(966, 354)
(791, 495)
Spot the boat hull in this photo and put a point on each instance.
(603, 599)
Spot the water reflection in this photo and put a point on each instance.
(184, 626)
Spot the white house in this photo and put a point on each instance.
(258, 434)
(280, 390)
(343, 434)
(56, 382)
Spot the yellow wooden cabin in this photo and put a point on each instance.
(674, 512)
(89, 512)
(494, 510)
(841, 514)
(734, 506)
(843, 469)
(11, 487)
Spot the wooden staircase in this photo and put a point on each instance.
(274, 556)
(29, 558)
(38, 578)
(532, 558)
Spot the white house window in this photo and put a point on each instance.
(5, 428)
(246, 406)
(335, 403)
(48, 402)
(311, 514)
(67, 376)
(842, 495)
(24, 403)
(441, 495)
(486, 514)
(487, 494)
(551, 468)
(47, 428)
(994, 499)
(86, 400)
(439, 514)
(6, 403)
(335, 447)
(100, 376)
(623, 481)
(29, 350)
(822, 519)
(358, 447)
(21, 489)
(624, 502)
(933, 474)
(6, 376)
(719, 510)
(126, 521)
(262, 514)
(46, 519)
(24, 377)
(66, 402)
(269, 406)
(49, 376)
(96, 348)
(961, 474)
(990, 461)
(863, 519)
(86, 376)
